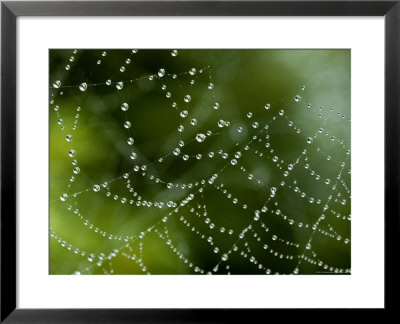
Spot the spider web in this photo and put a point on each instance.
(157, 167)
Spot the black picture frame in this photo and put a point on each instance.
(10, 10)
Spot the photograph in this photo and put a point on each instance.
(199, 161)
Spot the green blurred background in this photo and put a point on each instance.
(244, 81)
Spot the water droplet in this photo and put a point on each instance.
(193, 121)
(274, 237)
(161, 73)
(91, 257)
(63, 197)
(200, 137)
(187, 98)
(127, 124)
(133, 156)
(267, 106)
(216, 106)
(184, 113)
(176, 151)
(57, 84)
(130, 141)
(67, 67)
(281, 112)
(124, 106)
(119, 85)
(76, 170)
(174, 53)
(255, 124)
(71, 153)
(181, 128)
(96, 188)
(297, 98)
(308, 246)
(240, 129)
(68, 138)
(192, 71)
(211, 86)
(309, 140)
(221, 123)
(98, 62)
(108, 82)
(249, 114)
(224, 257)
(216, 250)
(233, 162)
(83, 86)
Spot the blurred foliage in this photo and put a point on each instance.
(244, 81)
